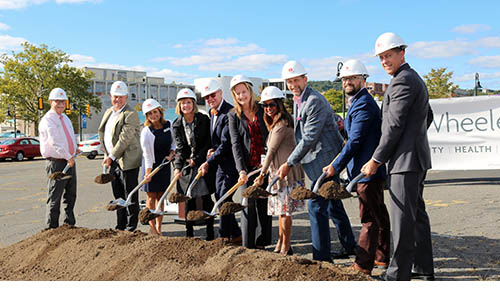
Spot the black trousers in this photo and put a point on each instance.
(124, 183)
(65, 189)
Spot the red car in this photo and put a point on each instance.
(19, 148)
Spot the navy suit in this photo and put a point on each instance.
(226, 175)
(363, 128)
(318, 142)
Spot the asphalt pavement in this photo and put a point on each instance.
(463, 207)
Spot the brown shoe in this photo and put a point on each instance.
(356, 267)
(381, 265)
(236, 240)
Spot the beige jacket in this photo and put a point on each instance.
(126, 138)
(280, 143)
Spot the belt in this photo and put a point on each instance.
(55, 159)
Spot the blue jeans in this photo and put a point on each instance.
(320, 209)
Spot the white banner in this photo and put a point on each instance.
(465, 133)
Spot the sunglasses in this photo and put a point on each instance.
(272, 104)
(210, 96)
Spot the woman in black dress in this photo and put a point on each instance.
(157, 142)
(248, 138)
(192, 137)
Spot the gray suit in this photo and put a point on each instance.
(318, 142)
(406, 115)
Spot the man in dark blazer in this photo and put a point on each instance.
(362, 126)
(119, 132)
(318, 142)
(220, 156)
(404, 147)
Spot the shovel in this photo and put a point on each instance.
(147, 214)
(259, 192)
(120, 203)
(105, 177)
(356, 179)
(58, 175)
(213, 213)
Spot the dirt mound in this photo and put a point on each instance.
(73, 253)
(230, 208)
(177, 198)
(301, 193)
(332, 190)
(255, 192)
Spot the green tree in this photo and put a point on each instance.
(32, 73)
(334, 97)
(439, 84)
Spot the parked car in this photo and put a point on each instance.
(19, 148)
(10, 134)
(91, 147)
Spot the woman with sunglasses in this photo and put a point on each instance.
(280, 143)
(248, 135)
(192, 137)
(157, 142)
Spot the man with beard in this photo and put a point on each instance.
(318, 142)
(362, 126)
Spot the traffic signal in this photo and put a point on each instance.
(87, 109)
(68, 107)
(40, 103)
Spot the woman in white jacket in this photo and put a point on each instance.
(157, 142)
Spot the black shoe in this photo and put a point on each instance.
(290, 251)
(342, 254)
(425, 277)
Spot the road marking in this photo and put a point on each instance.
(442, 203)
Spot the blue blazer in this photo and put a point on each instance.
(362, 124)
(221, 142)
(316, 134)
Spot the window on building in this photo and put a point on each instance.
(99, 88)
(153, 89)
(133, 92)
(163, 93)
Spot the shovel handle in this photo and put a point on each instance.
(169, 189)
(227, 194)
(172, 184)
(351, 184)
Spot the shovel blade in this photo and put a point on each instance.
(117, 204)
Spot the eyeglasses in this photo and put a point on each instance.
(210, 96)
(272, 104)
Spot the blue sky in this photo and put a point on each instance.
(183, 40)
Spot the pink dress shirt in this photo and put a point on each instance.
(53, 141)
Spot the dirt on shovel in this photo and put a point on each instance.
(104, 178)
(254, 192)
(230, 208)
(177, 198)
(111, 207)
(332, 190)
(301, 193)
(196, 215)
(145, 215)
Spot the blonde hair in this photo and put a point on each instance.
(162, 120)
(178, 110)
(253, 100)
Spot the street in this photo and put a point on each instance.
(463, 207)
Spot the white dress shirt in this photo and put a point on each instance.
(148, 145)
(108, 131)
(53, 141)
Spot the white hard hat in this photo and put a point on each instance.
(292, 69)
(239, 79)
(119, 88)
(211, 86)
(149, 105)
(271, 92)
(58, 94)
(387, 41)
(185, 93)
(353, 67)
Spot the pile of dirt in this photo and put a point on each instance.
(112, 206)
(255, 192)
(145, 215)
(104, 178)
(72, 253)
(177, 198)
(230, 208)
(333, 190)
(196, 215)
(301, 193)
